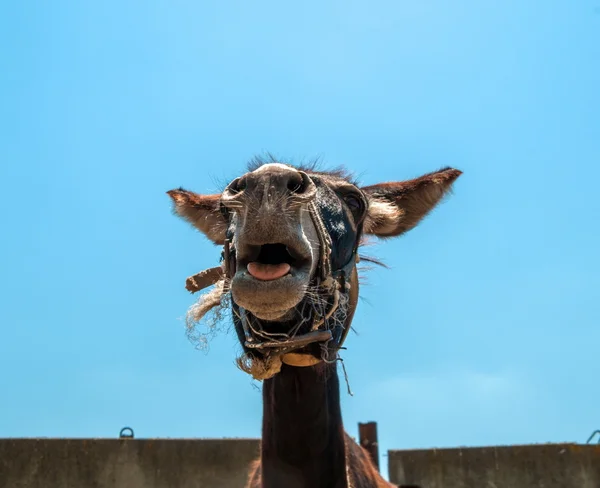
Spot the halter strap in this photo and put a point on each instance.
(331, 282)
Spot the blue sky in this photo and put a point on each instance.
(485, 330)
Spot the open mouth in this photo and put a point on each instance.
(270, 262)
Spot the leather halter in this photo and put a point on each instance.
(332, 283)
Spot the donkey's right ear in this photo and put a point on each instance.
(202, 211)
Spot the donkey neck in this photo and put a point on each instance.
(302, 434)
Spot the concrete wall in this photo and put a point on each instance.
(534, 466)
(125, 463)
(223, 463)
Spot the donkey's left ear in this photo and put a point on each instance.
(395, 208)
(202, 211)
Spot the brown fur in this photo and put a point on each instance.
(361, 471)
(413, 198)
(202, 211)
(303, 442)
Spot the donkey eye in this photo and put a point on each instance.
(354, 203)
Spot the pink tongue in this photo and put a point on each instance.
(268, 272)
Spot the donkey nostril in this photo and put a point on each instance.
(237, 185)
(296, 184)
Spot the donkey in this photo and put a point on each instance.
(290, 238)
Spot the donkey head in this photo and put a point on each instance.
(291, 238)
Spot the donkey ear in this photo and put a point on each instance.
(202, 211)
(395, 208)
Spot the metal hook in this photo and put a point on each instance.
(124, 435)
(589, 441)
